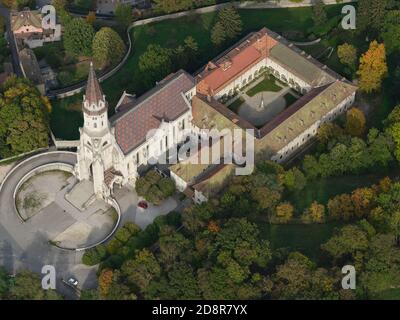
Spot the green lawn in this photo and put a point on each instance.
(171, 33)
(323, 189)
(390, 294)
(268, 84)
(66, 118)
(304, 238)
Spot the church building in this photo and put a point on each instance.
(112, 150)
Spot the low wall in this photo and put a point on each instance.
(44, 168)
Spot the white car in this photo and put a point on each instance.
(73, 282)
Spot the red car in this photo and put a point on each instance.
(143, 204)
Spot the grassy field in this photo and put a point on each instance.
(170, 34)
(268, 84)
(304, 238)
(323, 189)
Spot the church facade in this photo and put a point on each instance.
(112, 149)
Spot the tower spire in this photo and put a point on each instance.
(93, 94)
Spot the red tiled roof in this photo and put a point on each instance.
(239, 62)
(109, 175)
(164, 101)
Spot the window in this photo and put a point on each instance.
(137, 158)
(95, 125)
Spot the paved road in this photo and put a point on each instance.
(22, 247)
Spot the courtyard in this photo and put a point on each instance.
(262, 100)
(65, 210)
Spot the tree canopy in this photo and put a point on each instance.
(24, 117)
(78, 37)
(108, 47)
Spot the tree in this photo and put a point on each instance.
(310, 166)
(186, 55)
(218, 36)
(155, 188)
(298, 278)
(108, 47)
(27, 286)
(284, 212)
(348, 241)
(123, 14)
(230, 21)
(294, 179)
(195, 218)
(24, 117)
(168, 6)
(78, 37)
(172, 246)
(355, 122)
(363, 200)
(372, 67)
(105, 280)
(314, 214)
(62, 13)
(319, 14)
(329, 132)
(180, 284)
(91, 17)
(16, 4)
(142, 269)
(155, 64)
(341, 207)
(370, 14)
(391, 31)
(347, 54)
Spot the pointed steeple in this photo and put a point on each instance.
(93, 94)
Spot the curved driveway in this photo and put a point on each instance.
(22, 247)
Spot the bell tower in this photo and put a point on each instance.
(95, 106)
(95, 147)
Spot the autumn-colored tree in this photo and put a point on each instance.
(91, 17)
(362, 199)
(355, 122)
(213, 226)
(105, 280)
(329, 131)
(314, 214)
(347, 54)
(341, 207)
(373, 67)
(385, 184)
(284, 212)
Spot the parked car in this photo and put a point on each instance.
(73, 282)
(143, 204)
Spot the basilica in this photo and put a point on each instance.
(112, 150)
